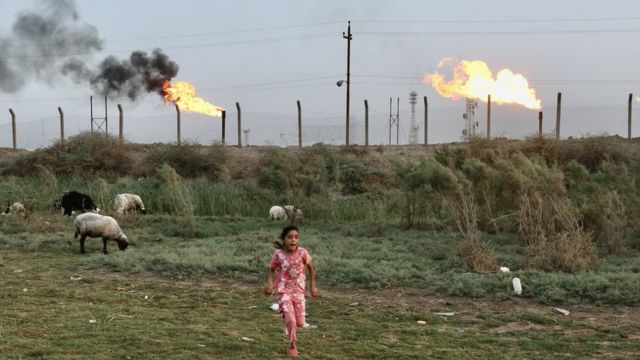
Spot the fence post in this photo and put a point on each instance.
(629, 121)
(489, 117)
(366, 123)
(13, 126)
(540, 123)
(61, 124)
(299, 124)
(239, 124)
(121, 123)
(178, 122)
(224, 122)
(558, 107)
(426, 121)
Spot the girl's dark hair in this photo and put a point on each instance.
(286, 230)
(280, 242)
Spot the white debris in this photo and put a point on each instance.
(274, 307)
(24, 290)
(561, 311)
(92, 321)
(251, 307)
(444, 313)
(75, 278)
(354, 304)
(244, 338)
(504, 269)
(422, 322)
(517, 286)
(146, 297)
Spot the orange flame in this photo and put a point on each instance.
(474, 80)
(183, 94)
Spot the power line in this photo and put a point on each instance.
(226, 43)
(483, 33)
(182, 36)
(519, 21)
(272, 83)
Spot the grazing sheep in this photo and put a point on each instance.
(277, 213)
(15, 208)
(293, 213)
(285, 212)
(125, 202)
(96, 225)
(74, 200)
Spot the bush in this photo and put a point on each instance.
(86, 154)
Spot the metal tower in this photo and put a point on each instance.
(99, 122)
(469, 115)
(394, 120)
(413, 131)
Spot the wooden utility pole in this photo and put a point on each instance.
(299, 124)
(489, 117)
(178, 118)
(629, 117)
(224, 122)
(61, 124)
(120, 123)
(366, 123)
(426, 121)
(13, 126)
(558, 107)
(239, 124)
(349, 38)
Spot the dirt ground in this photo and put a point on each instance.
(464, 308)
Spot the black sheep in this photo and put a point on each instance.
(74, 200)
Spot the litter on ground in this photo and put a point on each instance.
(444, 313)
(561, 311)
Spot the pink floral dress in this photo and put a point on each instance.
(290, 282)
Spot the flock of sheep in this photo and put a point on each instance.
(91, 223)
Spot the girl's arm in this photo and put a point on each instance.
(269, 287)
(312, 279)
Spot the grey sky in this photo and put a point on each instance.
(268, 54)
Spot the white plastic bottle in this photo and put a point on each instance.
(517, 286)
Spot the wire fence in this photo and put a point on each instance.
(445, 125)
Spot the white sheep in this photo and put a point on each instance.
(96, 225)
(293, 213)
(125, 202)
(277, 213)
(285, 212)
(15, 208)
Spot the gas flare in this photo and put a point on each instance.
(474, 80)
(183, 94)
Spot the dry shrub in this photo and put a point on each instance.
(568, 251)
(612, 225)
(478, 257)
(555, 239)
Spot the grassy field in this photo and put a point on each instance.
(169, 296)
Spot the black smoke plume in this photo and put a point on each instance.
(50, 42)
(130, 77)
